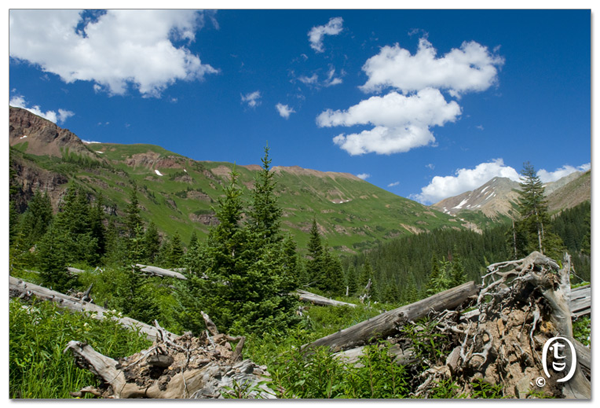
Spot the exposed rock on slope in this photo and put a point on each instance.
(43, 137)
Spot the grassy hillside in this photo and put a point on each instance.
(177, 194)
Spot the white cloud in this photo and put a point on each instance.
(118, 49)
(471, 68)
(52, 116)
(430, 166)
(284, 110)
(252, 99)
(363, 176)
(316, 34)
(464, 180)
(547, 176)
(394, 184)
(312, 80)
(401, 122)
(330, 80)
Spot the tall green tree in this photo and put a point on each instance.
(315, 264)
(151, 243)
(133, 219)
(534, 223)
(264, 215)
(238, 282)
(36, 219)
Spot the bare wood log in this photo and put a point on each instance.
(75, 270)
(401, 357)
(20, 288)
(320, 300)
(206, 379)
(385, 324)
(580, 301)
(156, 271)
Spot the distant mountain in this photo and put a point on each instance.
(496, 199)
(177, 193)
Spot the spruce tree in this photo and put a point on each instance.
(264, 216)
(151, 243)
(457, 274)
(315, 264)
(535, 223)
(36, 219)
(133, 218)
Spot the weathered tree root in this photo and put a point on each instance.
(519, 307)
(173, 368)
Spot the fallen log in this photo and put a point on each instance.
(156, 271)
(183, 368)
(386, 324)
(21, 289)
(320, 300)
(580, 301)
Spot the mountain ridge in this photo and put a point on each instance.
(177, 193)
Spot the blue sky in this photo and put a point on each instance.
(424, 103)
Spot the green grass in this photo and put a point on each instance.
(371, 216)
(40, 332)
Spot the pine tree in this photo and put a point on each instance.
(135, 296)
(333, 281)
(97, 228)
(352, 280)
(151, 243)
(315, 264)
(265, 214)
(53, 259)
(37, 218)
(176, 253)
(237, 277)
(132, 213)
(457, 273)
(534, 223)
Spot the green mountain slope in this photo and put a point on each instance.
(177, 193)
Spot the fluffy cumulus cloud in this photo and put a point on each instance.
(114, 50)
(400, 122)
(464, 180)
(316, 34)
(284, 110)
(403, 118)
(252, 99)
(549, 176)
(471, 68)
(56, 117)
(363, 176)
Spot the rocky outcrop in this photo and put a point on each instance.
(42, 137)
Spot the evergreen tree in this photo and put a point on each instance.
(36, 219)
(133, 219)
(135, 296)
(98, 231)
(534, 223)
(315, 264)
(54, 258)
(151, 243)
(457, 273)
(334, 274)
(352, 280)
(236, 281)
(291, 267)
(264, 216)
(175, 253)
